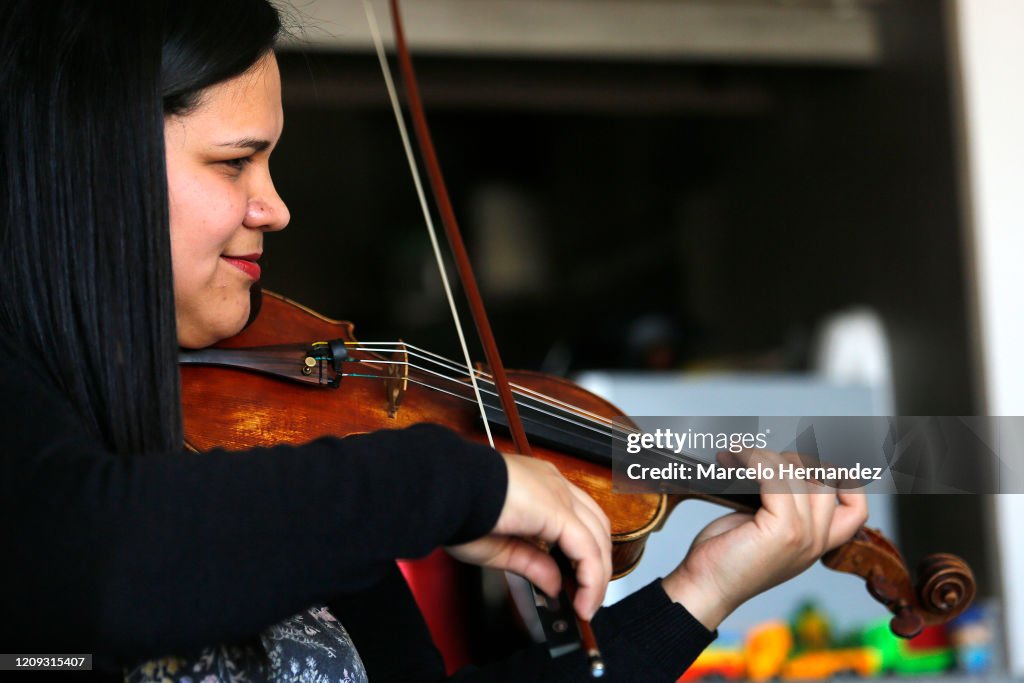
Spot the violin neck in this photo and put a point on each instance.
(740, 502)
(592, 443)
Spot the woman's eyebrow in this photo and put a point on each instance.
(247, 143)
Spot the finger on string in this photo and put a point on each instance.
(802, 503)
(749, 458)
(777, 493)
(823, 500)
(816, 500)
(797, 484)
(746, 458)
(849, 516)
(823, 507)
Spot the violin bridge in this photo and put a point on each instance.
(397, 379)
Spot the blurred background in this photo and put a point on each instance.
(700, 207)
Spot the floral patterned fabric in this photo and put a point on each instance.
(309, 647)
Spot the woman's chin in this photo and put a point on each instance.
(200, 334)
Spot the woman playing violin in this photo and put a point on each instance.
(136, 197)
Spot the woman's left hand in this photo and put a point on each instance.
(740, 555)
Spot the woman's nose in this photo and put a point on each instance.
(267, 211)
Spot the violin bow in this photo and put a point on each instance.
(557, 640)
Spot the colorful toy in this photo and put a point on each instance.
(811, 628)
(722, 660)
(766, 648)
(822, 664)
(806, 650)
(931, 653)
(973, 640)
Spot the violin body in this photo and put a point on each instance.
(263, 388)
(222, 409)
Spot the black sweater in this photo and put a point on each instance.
(130, 558)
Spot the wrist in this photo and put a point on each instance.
(703, 602)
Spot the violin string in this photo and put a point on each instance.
(462, 384)
(537, 396)
(378, 43)
(414, 380)
(434, 387)
(493, 394)
(604, 426)
(607, 429)
(452, 365)
(441, 360)
(618, 434)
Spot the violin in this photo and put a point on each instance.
(294, 375)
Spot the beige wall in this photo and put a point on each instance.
(992, 83)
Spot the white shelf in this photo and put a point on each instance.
(814, 31)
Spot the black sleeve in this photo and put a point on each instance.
(129, 558)
(644, 638)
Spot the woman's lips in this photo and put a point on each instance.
(247, 266)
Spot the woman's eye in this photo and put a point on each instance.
(237, 164)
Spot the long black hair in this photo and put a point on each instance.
(86, 291)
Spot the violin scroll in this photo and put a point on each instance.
(945, 588)
(947, 585)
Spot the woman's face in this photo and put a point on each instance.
(222, 200)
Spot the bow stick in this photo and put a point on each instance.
(466, 276)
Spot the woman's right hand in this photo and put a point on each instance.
(541, 504)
